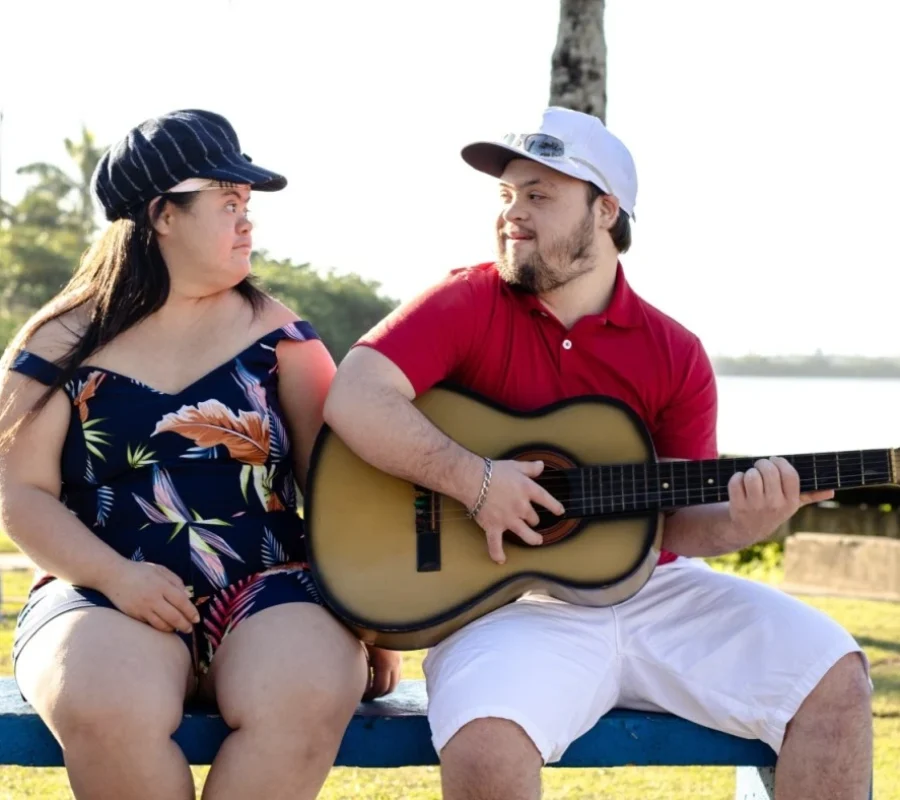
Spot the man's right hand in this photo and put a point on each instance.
(152, 594)
(508, 505)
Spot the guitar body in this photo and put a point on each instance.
(404, 568)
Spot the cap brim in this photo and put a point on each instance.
(493, 157)
(259, 179)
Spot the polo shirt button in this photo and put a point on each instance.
(567, 344)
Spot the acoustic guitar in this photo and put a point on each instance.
(404, 567)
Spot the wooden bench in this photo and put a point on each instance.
(393, 732)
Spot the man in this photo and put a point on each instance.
(553, 318)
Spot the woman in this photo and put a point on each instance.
(157, 416)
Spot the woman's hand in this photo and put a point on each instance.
(152, 594)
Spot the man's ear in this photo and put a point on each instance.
(606, 210)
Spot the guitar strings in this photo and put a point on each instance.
(591, 501)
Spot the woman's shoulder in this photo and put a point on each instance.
(275, 314)
(277, 319)
(55, 338)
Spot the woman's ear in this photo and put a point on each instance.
(160, 218)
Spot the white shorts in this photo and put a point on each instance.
(721, 651)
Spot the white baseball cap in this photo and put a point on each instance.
(571, 142)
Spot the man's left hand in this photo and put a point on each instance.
(384, 672)
(764, 497)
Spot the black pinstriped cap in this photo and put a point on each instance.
(163, 151)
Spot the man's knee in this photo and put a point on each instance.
(844, 689)
(484, 746)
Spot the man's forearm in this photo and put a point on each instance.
(703, 531)
(390, 433)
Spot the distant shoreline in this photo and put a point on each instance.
(818, 366)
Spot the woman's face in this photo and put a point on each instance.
(207, 245)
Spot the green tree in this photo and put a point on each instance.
(57, 199)
(340, 307)
(43, 236)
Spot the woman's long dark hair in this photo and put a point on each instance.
(122, 279)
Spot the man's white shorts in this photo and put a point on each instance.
(721, 651)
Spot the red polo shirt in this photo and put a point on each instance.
(473, 329)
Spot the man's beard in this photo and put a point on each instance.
(534, 274)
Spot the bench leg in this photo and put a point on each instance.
(755, 783)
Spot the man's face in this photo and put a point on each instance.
(545, 230)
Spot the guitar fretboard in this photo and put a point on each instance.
(609, 489)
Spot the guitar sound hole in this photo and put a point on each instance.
(550, 526)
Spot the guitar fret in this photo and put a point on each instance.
(656, 485)
(600, 487)
(622, 486)
(634, 494)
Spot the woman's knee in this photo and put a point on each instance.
(123, 683)
(297, 680)
(123, 710)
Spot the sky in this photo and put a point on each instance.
(765, 136)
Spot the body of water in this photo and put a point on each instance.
(772, 416)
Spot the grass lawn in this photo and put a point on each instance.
(876, 626)
(6, 544)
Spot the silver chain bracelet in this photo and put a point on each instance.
(485, 484)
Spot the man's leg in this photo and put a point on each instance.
(491, 759)
(512, 690)
(748, 659)
(827, 750)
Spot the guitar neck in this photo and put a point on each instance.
(663, 486)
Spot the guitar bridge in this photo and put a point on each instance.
(428, 530)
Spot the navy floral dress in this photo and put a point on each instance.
(200, 481)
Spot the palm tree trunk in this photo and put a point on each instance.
(578, 75)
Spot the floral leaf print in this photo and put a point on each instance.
(209, 423)
(93, 438)
(137, 555)
(85, 391)
(152, 513)
(289, 491)
(105, 498)
(168, 505)
(141, 457)
(201, 452)
(89, 472)
(272, 550)
(252, 388)
(230, 607)
(246, 471)
(309, 584)
(206, 547)
(263, 478)
(280, 443)
(211, 521)
(291, 332)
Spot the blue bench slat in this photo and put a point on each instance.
(393, 732)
